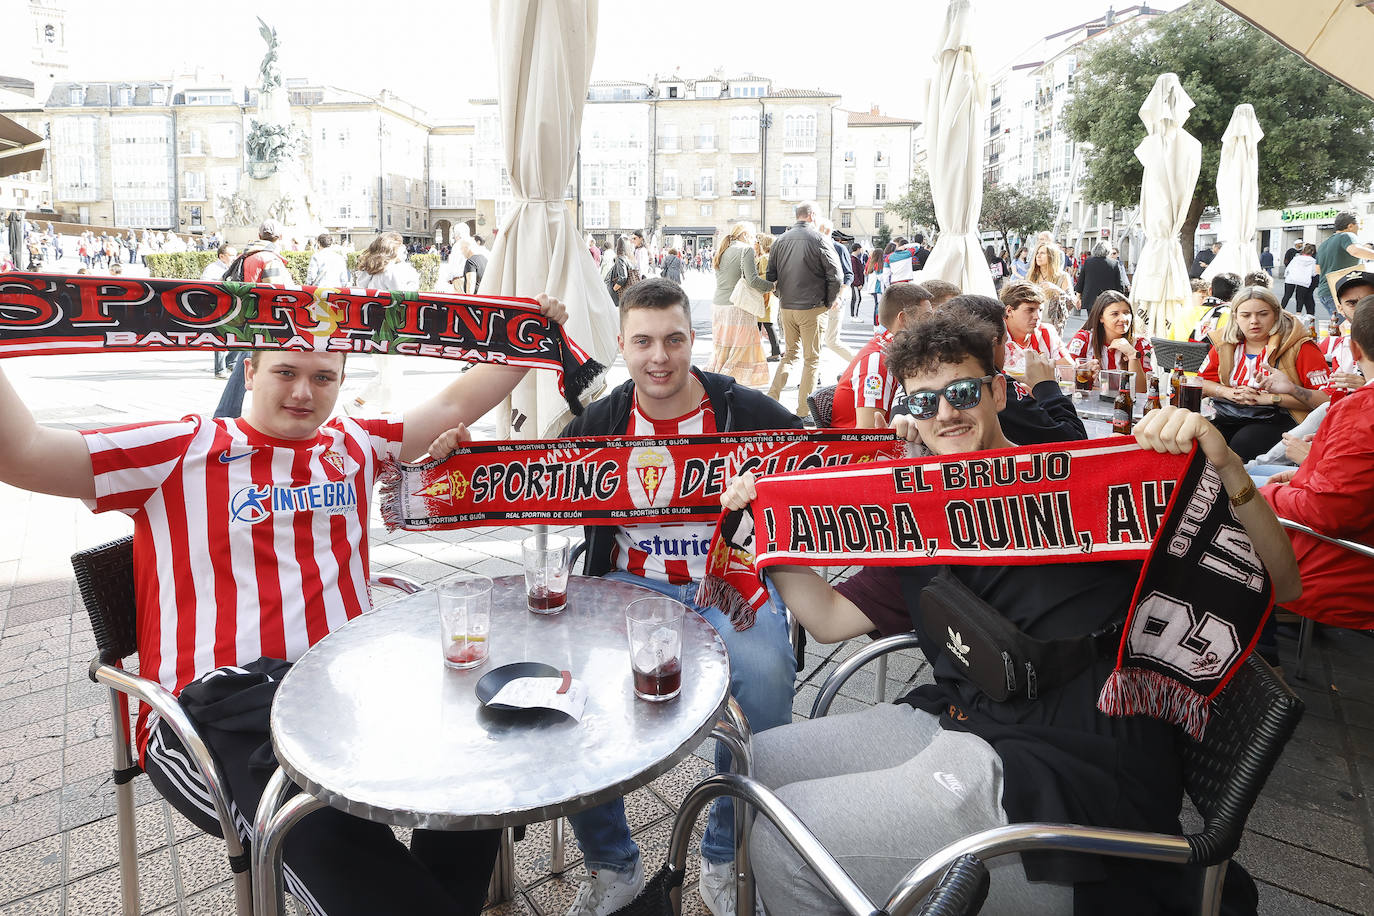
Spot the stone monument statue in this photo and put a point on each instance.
(274, 178)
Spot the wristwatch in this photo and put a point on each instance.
(1275, 399)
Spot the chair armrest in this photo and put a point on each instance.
(170, 711)
(1363, 550)
(400, 583)
(962, 890)
(849, 666)
(1015, 838)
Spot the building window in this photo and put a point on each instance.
(668, 141)
(879, 219)
(668, 183)
(197, 216)
(846, 219)
(706, 183)
(76, 95)
(670, 209)
(744, 133)
(125, 96)
(799, 133)
(706, 138)
(880, 191)
(744, 182)
(880, 158)
(193, 185)
(672, 92)
(708, 210)
(848, 190)
(193, 143)
(798, 179)
(708, 90)
(849, 157)
(224, 140)
(596, 214)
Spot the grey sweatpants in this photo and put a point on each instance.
(882, 789)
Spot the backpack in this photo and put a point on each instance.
(235, 269)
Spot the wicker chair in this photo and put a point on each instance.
(105, 576)
(1194, 354)
(820, 402)
(1251, 721)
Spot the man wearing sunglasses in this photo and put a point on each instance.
(947, 760)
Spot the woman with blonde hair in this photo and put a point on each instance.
(384, 266)
(1260, 340)
(735, 312)
(763, 245)
(1047, 272)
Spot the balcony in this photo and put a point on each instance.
(706, 143)
(744, 188)
(670, 144)
(845, 203)
(706, 191)
(669, 192)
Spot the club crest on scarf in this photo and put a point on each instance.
(652, 475)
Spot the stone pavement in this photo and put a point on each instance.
(1309, 841)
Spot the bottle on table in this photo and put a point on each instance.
(1123, 411)
(1334, 329)
(1152, 401)
(1177, 379)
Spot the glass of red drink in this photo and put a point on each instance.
(465, 620)
(654, 628)
(546, 572)
(1190, 395)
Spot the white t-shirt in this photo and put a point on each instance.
(245, 546)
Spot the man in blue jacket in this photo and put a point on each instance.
(668, 396)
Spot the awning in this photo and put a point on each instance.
(21, 150)
(1332, 35)
(689, 230)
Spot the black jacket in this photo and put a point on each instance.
(737, 409)
(1095, 277)
(1039, 419)
(805, 267)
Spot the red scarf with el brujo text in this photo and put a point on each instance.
(1198, 605)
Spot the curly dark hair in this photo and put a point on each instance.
(942, 339)
(984, 309)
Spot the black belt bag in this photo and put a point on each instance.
(993, 653)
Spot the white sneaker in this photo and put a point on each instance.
(604, 891)
(718, 887)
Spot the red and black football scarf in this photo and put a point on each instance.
(605, 480)
(54, 314)
(1198, 605)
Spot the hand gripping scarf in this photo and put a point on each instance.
(1198, 605)
(53, 313)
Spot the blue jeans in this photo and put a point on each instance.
(1323, 296)
(763, 670)
(231, 401)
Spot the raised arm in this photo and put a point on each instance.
(827, 615)
(468, 397)
(37, 458)
(1173, 430)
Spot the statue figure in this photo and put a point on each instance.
(269, 69)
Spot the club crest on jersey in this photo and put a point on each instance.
(653, 473)
(255, 503)
(334, 460)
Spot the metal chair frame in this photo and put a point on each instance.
(104, 575)
(1307, 628)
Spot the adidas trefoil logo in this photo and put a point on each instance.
(956, 645)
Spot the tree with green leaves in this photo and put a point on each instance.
(916, 207)
(1317, 138)
(882, 236)
(1009, 210)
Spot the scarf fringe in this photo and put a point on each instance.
(716, 592)
(1140, 691)
(389, 494)
(578, 379)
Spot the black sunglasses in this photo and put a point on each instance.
(962, 394)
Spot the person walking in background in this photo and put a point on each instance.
(261, 263)
(857, 263)
(384, 266)
(1339, 255)
(593, 250)
(328, 265)
(1097, 275)
(996, 268)
(641, 254)
(672, 266)
(736, 308)
(764, 246)
(475, 256)
(1047, 271)
(1299, 277)
(808, 277)
(214, 273)
(1020, 265)
(834, 317)
(622, 271)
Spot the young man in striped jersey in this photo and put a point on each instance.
(250, 545)
(668, 396)
(864, 395)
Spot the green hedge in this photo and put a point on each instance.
(187, 265)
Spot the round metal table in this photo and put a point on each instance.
(370, 720)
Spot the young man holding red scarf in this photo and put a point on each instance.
(233, 584)
(946, 760)
(668, 396)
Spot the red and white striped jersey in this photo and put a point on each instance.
(245, 546)
(1108, 358)
(1043, 340)
(672, 552)
(1337, 353)
(865, 383)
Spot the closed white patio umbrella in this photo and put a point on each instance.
(1172, 159)
(1332, 35)
(1238, 194)
(544, 53)
(955, 131)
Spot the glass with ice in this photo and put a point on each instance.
(546, 572)
(654, 627)
(465, 620)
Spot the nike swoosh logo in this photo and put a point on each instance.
(225, 457)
